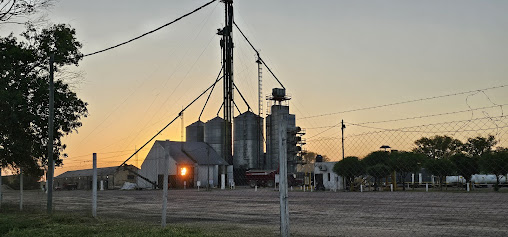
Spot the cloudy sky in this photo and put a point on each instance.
(331, 55)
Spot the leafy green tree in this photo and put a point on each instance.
(495, 163)
(349, 168)
(24, 86)
(405, 163)
(476, 147)
(10, 9)
(378, 171)
(440, 168)
(465, 166)
(310, 157)
(438, 147)
(380, 159)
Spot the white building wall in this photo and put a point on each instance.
(154, 166)
(331, 181)
(202, 175)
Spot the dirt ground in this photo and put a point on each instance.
(311, 213)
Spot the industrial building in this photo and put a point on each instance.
(190, 164)
(324, 176)
(107, 178)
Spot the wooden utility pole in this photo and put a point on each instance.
(51, 167)
(342, 127)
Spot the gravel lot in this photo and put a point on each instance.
(311, 213)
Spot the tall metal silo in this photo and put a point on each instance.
(195, 132)
(273, 135)
(248, 141)
(214, 135)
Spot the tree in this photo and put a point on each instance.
(376, 163)
(24, 97)
(476, 147)
(438, 147)
(310, 157)
(495, 163)
(13, 8)
(440, 168)
(405, 163)
(378, 171)
(465, 166)
(349, 168)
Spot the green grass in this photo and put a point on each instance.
(37, 224)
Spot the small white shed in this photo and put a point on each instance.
(323, 174)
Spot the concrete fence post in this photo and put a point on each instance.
(94, 186)
(1, 189)
(165, 186)
(21, 189)
(283, 182)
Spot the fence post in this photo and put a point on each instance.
(467, 186)
(94, 186)
(1, 189)
(21, 189)
(391, 187)
(283, 185)
(165, 185)
(426, 187)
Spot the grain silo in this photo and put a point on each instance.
(248, 141)
(214, 136)
(273, 120)
(195, 132)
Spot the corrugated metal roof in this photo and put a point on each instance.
(193, 152)
(89, 172)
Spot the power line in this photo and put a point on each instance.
(416, 117)
(405, 102)
(252, 46)
(150, 32)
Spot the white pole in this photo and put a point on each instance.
(361, 188)
(21, 189)
(426, 187)
(413, 178)
(391, 187)
(467, 184)
(1, 189)
(94, 186)
(165, 186)
(223, 181)
(283, 185)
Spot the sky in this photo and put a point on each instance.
(331, 55)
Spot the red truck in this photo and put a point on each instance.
(266, 178)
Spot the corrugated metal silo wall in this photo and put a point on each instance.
(214, 135)
(248, 141)
(273, 136)
(195, 132)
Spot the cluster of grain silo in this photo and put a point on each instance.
(248, 138)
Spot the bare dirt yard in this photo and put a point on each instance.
(311, 213)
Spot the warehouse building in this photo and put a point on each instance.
(190, 164)
(107, 178)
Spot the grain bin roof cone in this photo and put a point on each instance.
(195, 132)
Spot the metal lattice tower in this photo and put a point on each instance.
(227, 46)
